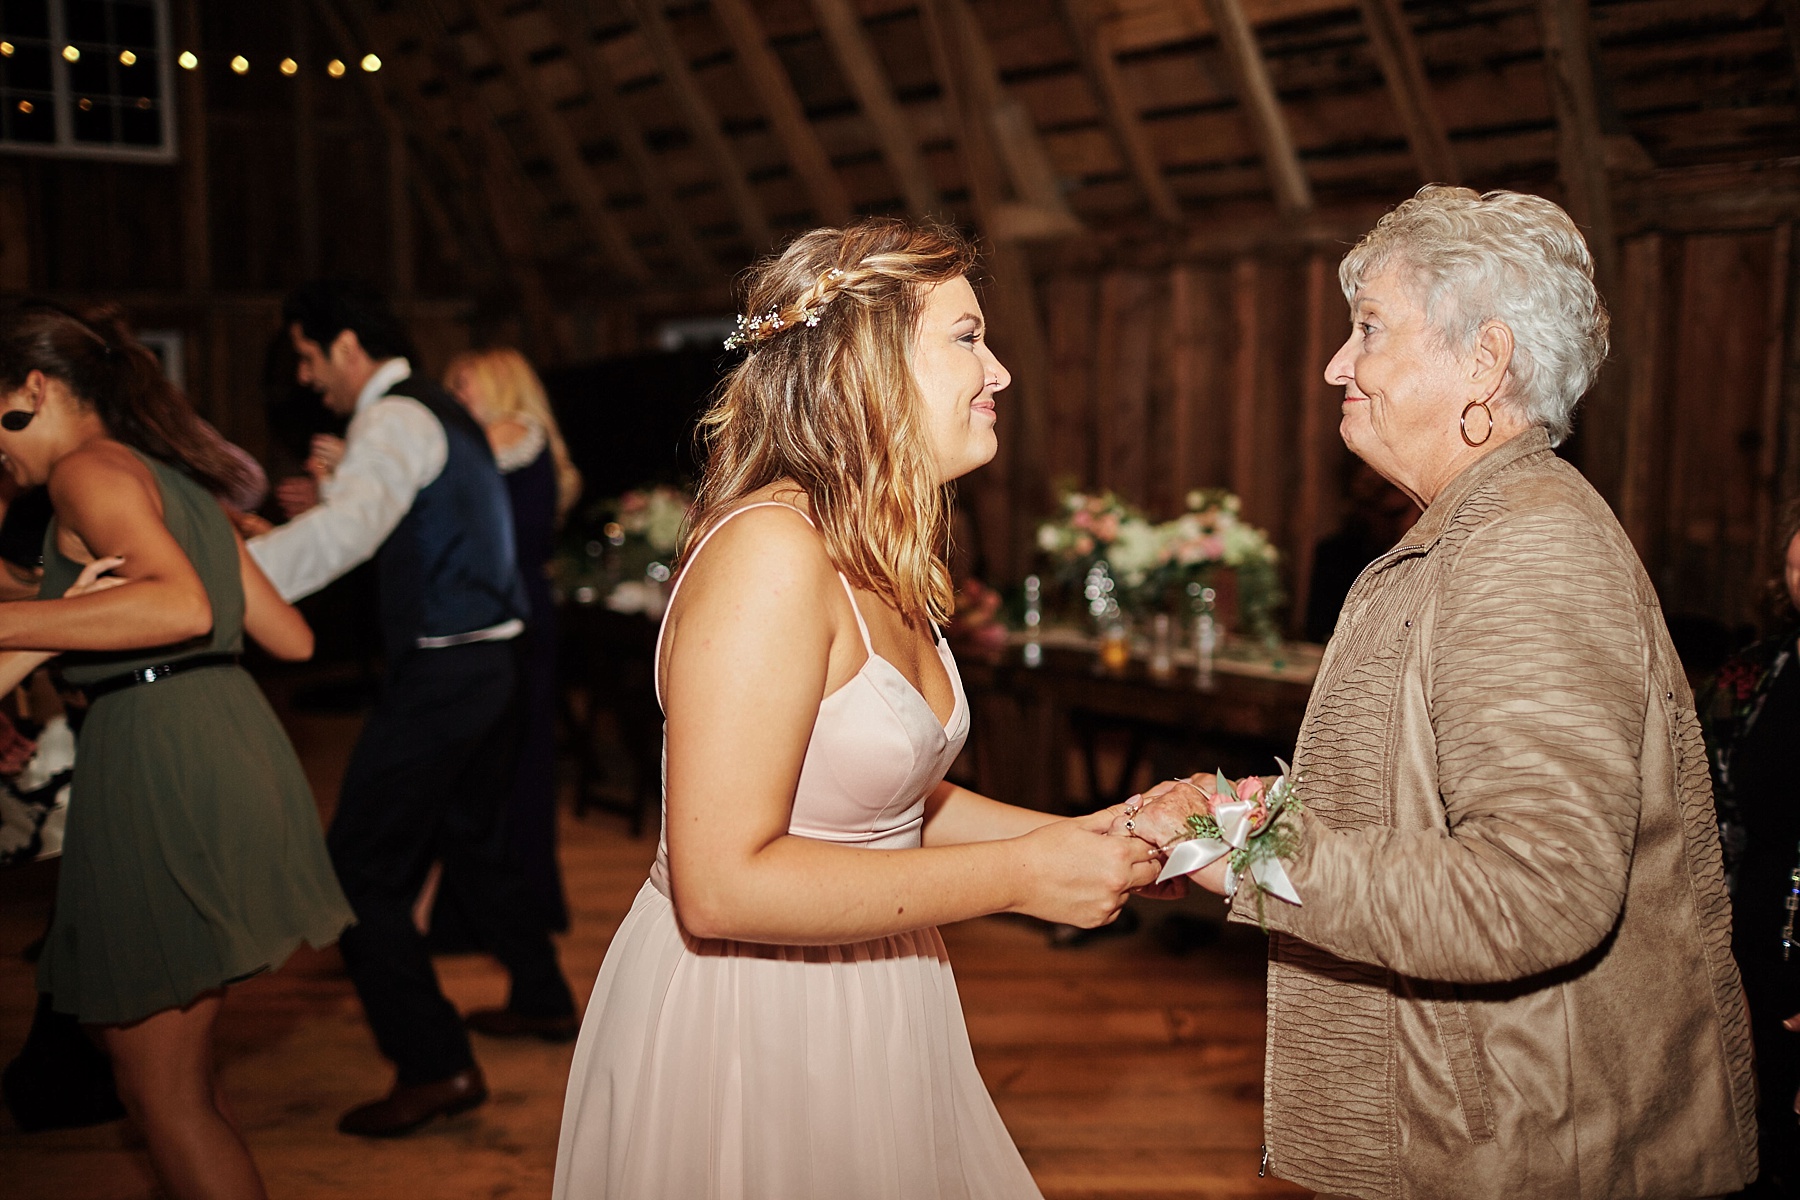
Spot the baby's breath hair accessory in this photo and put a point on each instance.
(1247, 827)
(753, 330)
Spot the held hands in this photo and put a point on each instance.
(1078, 875)
(95, 578)
(1159, 817)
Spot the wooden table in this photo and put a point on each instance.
(1026, 718)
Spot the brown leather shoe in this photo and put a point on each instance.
(411, 1105)
(505, 1023)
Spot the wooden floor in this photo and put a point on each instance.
(1123, 1071)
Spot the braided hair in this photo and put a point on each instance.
(826, 398)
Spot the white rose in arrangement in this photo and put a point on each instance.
(1136, 551)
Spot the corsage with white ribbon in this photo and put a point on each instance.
(1248, 833)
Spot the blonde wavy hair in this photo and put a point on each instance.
(513, 389)
(826, 398)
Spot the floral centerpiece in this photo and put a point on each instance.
(621, 549)
(1151, 564)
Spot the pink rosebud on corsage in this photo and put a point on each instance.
(1243, 829)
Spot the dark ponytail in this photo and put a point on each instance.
(103, 365)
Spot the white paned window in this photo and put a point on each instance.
(87, 78)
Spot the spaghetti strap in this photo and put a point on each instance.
(662, 628)
(861, 624)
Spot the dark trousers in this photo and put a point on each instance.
(426, 782)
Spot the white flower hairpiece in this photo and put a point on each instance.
(751, 330)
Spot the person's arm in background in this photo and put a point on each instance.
(396, 448)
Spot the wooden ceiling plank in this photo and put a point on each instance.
(573, 29)
(855, 56)
(702, 121)
(398, 122)
(1102, 69)
(1293, 194)
(553, 134)
(1402, 66)
(1580, 141)
(497, 175)
(781, 106)
(1015, 135)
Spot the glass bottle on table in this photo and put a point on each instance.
(1206, 635)
(1034, 620)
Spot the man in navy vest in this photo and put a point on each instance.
(416, 488)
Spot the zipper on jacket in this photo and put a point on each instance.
(1262, 1172)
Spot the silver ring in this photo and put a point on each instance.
(1129, 824)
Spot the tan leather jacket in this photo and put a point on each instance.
(1512, 973)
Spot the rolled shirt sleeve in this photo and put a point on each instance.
(394, 448)
(1537, 689)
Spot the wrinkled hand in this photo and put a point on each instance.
(296, 494)
(1078, 875)
(327, 453)
(1159, 816)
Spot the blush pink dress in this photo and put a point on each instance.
(722, 1070)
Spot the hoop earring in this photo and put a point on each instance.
(15, 419)
(1463, 422)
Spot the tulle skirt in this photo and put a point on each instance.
(715, 1070)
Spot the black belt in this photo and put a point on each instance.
(112, 683)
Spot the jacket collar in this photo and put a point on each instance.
(1437, 517)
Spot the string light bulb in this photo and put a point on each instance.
(240, 65)
(6, 49)
(127, 59)
(371, 64)
(26, 107)
(187, 60)
(289, 66)
(335, 68)
(71, 54)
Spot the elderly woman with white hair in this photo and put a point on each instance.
(1509, 972)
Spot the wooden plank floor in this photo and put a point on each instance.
(1123, 1072)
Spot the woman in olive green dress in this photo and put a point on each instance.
(193, 856)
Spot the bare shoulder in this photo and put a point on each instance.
(101, 470)
(756, 555)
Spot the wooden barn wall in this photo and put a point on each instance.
(1209, 374)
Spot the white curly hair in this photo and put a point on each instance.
(1499, 256)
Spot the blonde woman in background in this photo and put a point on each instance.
(504, 394)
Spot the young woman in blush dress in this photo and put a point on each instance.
(193, 856)
(776, 1017)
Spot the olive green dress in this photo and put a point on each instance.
(193, 855)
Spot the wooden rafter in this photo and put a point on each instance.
(1015, 136)
(1397, 51)
(702, 121)
(1293, 193)
(855, 56)
(397, 121)
(493, 172)
(1790, 16)
(781, 105)
(552, 133)
(1580, 142)
(572, 26)
(1102, 69)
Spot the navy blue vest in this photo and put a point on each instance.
(450, 566)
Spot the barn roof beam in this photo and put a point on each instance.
(781, 106)
(1094, 44)
(1397, 52)
(1581, 142)
(553, 134)
(573, 28)
(701, 119)
(855, 55)
(1293, 193)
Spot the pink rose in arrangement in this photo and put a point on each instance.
(1253, 789)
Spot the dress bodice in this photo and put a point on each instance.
(876, 752)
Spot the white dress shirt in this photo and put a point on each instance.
(392, 450)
